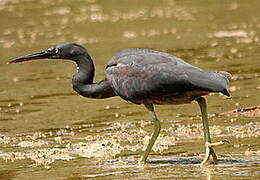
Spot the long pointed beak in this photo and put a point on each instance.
(34, 56)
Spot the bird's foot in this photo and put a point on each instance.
(142, 160)
(210, 151)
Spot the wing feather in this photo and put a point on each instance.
(138, 74)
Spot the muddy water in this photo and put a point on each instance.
(47, 130)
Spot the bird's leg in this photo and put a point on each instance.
(209, 146)
(157, 129)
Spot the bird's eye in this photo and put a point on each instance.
(56, 50)
(53, 50)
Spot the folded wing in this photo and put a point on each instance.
(140, 73)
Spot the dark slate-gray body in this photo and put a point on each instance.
(147, 76)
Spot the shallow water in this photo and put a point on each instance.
(49, 130)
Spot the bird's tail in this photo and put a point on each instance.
(225, 92)
(227, 76)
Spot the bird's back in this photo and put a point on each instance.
(140, 75)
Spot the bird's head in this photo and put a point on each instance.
(61, 51)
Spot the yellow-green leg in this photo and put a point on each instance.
(157, 129)
(208, 145)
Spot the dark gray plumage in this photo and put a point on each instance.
(142, 76)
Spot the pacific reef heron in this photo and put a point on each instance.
(143, 76)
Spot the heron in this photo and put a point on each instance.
(143, 76)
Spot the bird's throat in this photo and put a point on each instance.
(83, 83)
(85, 71)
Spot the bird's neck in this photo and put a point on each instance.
(85, 71)
(82, 80)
